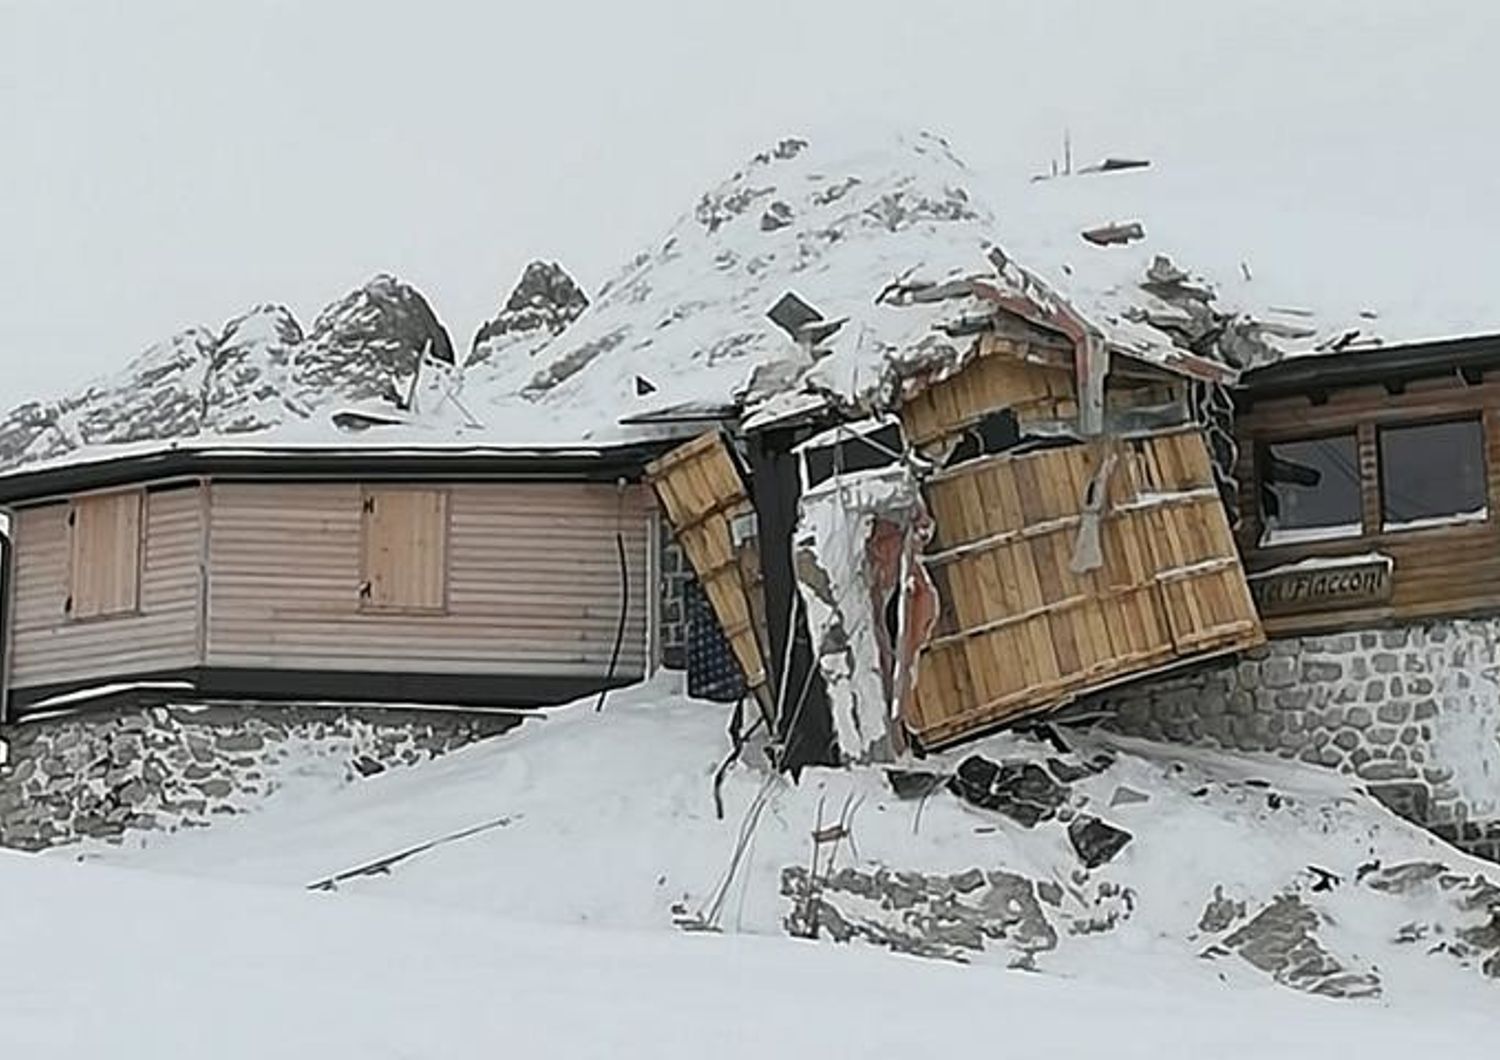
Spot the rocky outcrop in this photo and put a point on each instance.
(543, 304)
(371, 339)
(260, 370)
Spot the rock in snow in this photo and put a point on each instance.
(544, 302)
(259, 371)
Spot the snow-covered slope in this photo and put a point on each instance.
(104, 962)
(836, 225)
(1238, 869)
(258, 371)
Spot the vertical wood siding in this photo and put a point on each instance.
(49, 647)
(533, 583)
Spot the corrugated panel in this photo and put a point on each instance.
(533, 582)
(1021, 630)
(49, 646)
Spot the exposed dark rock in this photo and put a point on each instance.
(1096, 841)
(912, 783)
(1220, 913)
(543, 303)
(1281, 940)
(1023, 791)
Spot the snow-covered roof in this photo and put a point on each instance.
(1292, 266)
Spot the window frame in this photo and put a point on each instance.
(1310, 536)
(72, 579)
(1439, 522)
(1321, 421)
(369, 495)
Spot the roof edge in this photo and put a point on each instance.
(1371, 367)
(600, 464)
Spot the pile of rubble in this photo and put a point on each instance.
(1064, 873)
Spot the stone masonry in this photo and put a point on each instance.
(1413, 711)
(102, 774)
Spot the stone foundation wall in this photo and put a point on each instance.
(101, 775)
(1414, 711)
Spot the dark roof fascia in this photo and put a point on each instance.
(1323, 372)
(320, 465)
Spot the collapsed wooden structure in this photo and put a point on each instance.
(986, 550)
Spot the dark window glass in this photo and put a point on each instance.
(1431, 472)
(1309, 489)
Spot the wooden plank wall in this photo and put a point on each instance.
(533, 582)
(50, 647)
(104, 554)
(703, 494)
(404, 549)
(999, 378)
(1453, 570)
(1020, 630)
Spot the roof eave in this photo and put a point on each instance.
(605, 464)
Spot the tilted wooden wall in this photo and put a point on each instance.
(1020, 630)
(702, 492)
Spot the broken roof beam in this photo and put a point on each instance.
(1116, 234)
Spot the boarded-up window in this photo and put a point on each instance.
(104, 555)
(405, 561)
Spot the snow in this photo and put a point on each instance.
(1478, 515)
(1357, 263)
(1326, 563)
(1293, 535)
(544, 916)
(107, 962)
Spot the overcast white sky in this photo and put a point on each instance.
(172, 163)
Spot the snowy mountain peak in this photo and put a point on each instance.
(543, 303)
(258, 371)
(834, 224)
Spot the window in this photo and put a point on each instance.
(1309, 489)
(405, 550)
(1432, 474)
(104, 555)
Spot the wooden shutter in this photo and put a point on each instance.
(405, 562)
(104, 555)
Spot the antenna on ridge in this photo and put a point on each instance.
(1067, 152)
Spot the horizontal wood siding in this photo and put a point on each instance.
(533, 582)
(161, 633)
(1438, 571)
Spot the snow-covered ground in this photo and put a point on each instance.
(546, 914)
(107, 962)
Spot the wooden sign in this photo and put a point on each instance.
(1324, 585)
